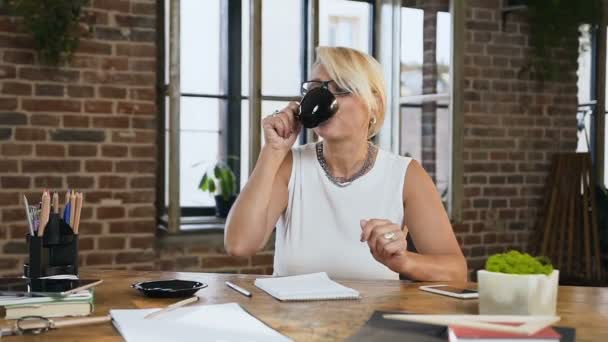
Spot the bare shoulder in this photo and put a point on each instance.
(417, 181)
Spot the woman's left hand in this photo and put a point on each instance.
(387, 242)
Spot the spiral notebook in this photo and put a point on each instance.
(315, 286)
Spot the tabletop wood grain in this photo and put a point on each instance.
(584, 308)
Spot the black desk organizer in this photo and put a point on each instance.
(54, 253)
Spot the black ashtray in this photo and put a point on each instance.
(171, 288)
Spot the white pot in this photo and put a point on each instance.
(514, 294)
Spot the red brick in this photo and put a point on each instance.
(14, 182)
(9, 198)
(53, 182)
(144, 122)
(47, 105)
(110, 212)
(18, 57)
(134, 137)
(50, 166)
(47, 150)
(30, 134)
(136, 108)
(48, 74)
(76, 121)
(112, 182)
(111, 122)
(50, 90)
(44, 120)
(115, 63)
(144, 242)
(143, 152)
(143, 182)
(143, 211)
(16, 88)
(80, 182)
(80, 91)
(82, 150)
(13, 150)
(136, 166)
(94, 48)
(262, 259)
(98, 166)
(105, 243)
(143, 65)
(88, 227)
(142, 94)
(135, 196)
(86, 244)
(143, 8)
(94, 259)
(112, 5)
(132, 227)
(114, 151)
(8, 103)
(119, 78)
(112, 92)
(93, 106)
(134, 257)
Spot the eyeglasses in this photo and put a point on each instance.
(330, 85)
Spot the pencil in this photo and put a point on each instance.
(79, 200)
(72, 208)
(29, 217)
(172, 307)
(56, 203)
(44, 215)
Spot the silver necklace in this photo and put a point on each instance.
(346, 181)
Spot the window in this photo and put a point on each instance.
(425, 91)
(345, 23)
(587, 98)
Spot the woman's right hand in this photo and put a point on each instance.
(281, 129)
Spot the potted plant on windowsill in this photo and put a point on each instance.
(516, 283)
(220, 181)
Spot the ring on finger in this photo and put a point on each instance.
(389, 236)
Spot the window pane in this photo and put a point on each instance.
(345, 23)
(199, 141)
(198, 153)
(281, 47)
(411, 51)
(200, 114)
(584, 113)
(200, 46)
(425, 91)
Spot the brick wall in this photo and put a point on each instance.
(91, 125)
(513, 125)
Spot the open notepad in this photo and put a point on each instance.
(222, 322)
(315, 286)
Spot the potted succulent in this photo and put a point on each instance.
(220, 181)
(515, 283)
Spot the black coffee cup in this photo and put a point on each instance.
(317, 106)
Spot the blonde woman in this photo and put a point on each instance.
(343, 206)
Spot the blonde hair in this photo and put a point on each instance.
(361, 74)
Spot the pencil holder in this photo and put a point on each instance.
(53, 253)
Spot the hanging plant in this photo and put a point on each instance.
(553, 24)
(54, 25)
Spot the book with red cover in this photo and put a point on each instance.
(464, 334)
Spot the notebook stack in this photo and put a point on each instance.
(77, 304)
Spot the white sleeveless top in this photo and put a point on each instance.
(320, 230)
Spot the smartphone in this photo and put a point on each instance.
(451, 291)
(44, 287)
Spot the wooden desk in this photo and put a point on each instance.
(586, 309)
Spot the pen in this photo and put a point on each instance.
(238, 289)
(29, 217)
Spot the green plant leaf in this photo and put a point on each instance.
(203, 184)
(211, 186)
